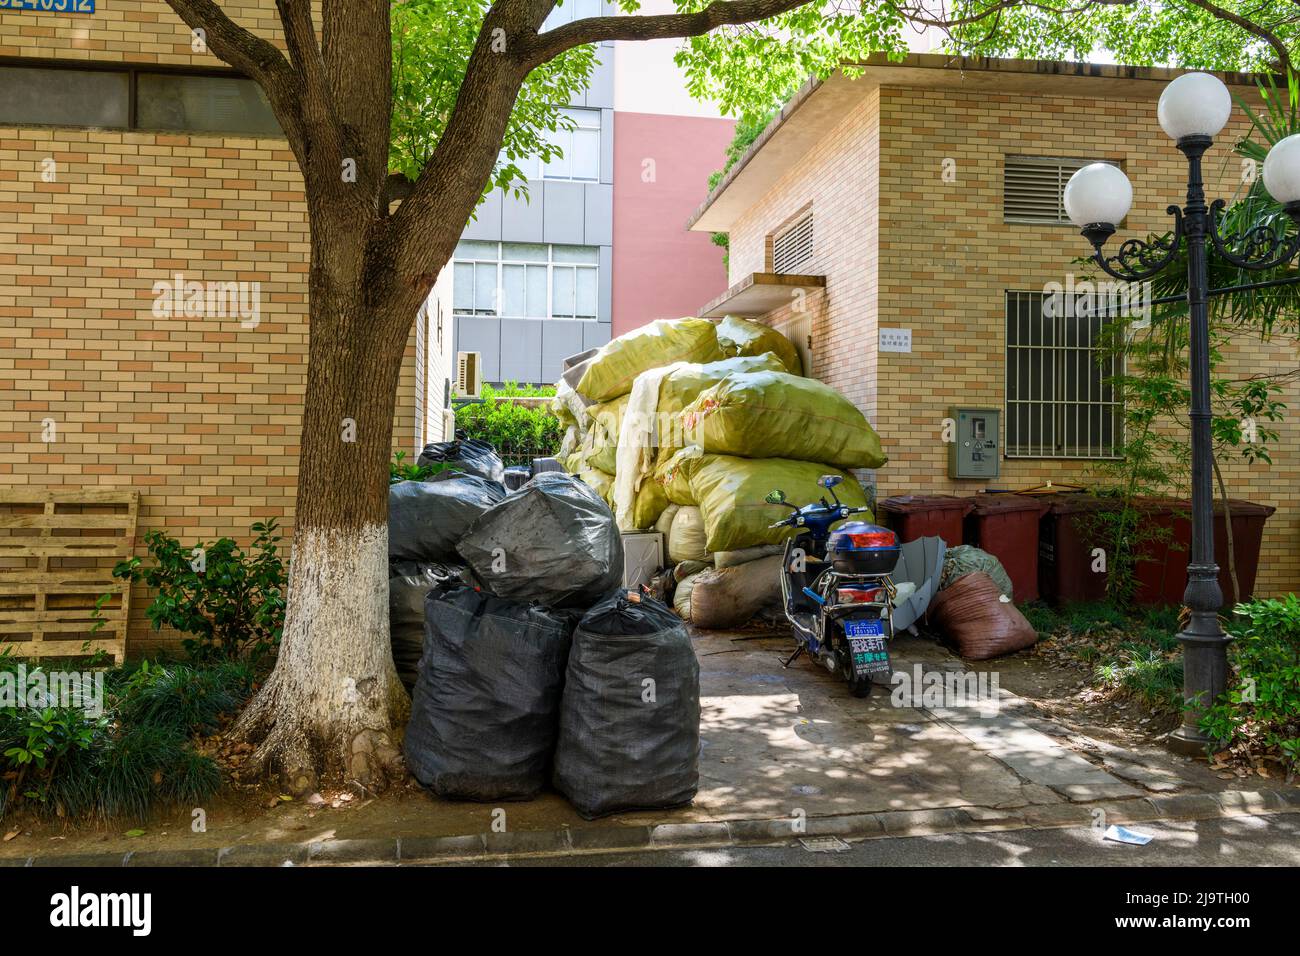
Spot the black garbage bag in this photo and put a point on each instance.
(486, 705)
(409, 582)
(470, 455)
(427, 518)
(554, 541)
(630, 717)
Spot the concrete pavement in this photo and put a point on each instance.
(1271, 840)
(783, 751)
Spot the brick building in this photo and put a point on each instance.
(126, 159)
(923, 200)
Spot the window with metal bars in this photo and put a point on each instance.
(1032, 187)
(1060, 403)
(793, 246)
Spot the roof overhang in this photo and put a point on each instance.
(760, 292)
(819, 105)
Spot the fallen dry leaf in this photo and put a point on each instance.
(11, 834)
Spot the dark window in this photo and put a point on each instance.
(35, 97)
(216, 104)
(103, 98)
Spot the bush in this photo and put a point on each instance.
(518, 432)
(1263, 711)
(137, 755)
(229, 600)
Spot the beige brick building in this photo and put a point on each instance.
(903, 173)
(129, 156)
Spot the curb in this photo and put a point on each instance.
(615, 839)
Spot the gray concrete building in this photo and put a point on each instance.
(532, 278)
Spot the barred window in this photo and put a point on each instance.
(1059, 402)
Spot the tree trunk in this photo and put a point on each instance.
(333, 707)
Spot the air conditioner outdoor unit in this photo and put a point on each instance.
(448, 424)
(468, 374)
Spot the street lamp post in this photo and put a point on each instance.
(1192, 110)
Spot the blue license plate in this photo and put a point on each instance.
(865, 627)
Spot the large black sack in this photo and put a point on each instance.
(427, 518)
(625, 744)
(486, 705)
(554, 541)
(469, 455)
(409, 582)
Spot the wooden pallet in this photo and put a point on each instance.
(57, 552)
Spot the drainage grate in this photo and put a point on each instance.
(828, 844)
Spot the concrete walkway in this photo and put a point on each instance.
(784, 753)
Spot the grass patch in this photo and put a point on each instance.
(135, 756)
(1042, 617)
(1132, 654)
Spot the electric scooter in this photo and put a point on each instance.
(836, 586)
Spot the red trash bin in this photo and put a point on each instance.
(926, 516)
(1163, 579)
(1065, 546)
(1006, 526)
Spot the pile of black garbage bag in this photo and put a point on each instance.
(526, 660)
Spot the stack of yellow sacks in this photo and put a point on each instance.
(685, 426)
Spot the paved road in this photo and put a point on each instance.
(1265, 840)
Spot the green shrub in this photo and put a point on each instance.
(62, 761)
(185, 699)
(1263, 709)
(230, 601)
(518, 432)
(400, 470)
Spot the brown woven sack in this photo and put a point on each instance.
(973, 617)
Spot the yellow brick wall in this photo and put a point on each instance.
(911, 251)
(841, 185)
(201, 415)
(126, 31)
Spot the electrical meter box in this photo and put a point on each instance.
(974, 451)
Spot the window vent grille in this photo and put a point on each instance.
(1032, 187)
(793, 246)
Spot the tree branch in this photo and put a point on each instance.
(451, 182)
(1255, 29)
(545, 46)
(253, 56)
(356, 41)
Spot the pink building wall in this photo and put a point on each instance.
(661, 270)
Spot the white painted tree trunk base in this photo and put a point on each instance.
(333, 706)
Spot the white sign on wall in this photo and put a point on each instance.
(895, 340)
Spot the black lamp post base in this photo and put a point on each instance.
(1205, 661)
(1188, 742)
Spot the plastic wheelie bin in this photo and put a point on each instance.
(1065, 548)
(1006, 526)
(924, 516)
(1163, 578)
